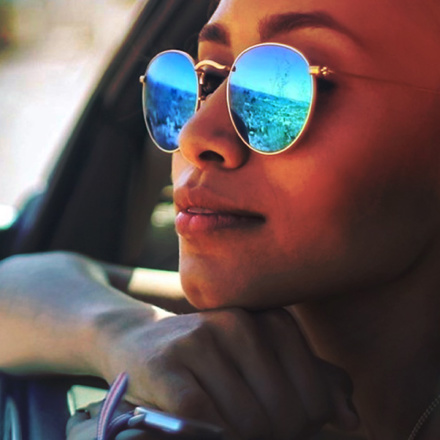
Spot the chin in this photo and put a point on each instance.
(208, 294)
(203, 298)
(207, 284)
(217, 293)
(212, 284)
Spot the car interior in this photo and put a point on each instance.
(108, 197)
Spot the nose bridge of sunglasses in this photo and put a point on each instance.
(205, 68)
(200, 66)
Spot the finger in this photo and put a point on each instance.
(232, 396)
(261, 370)
(324, 388)
(299, 363)
(289, 411)
(178, 392)
(344, 416)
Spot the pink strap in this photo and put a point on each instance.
(112, 400)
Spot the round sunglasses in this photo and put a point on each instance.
(271, 92)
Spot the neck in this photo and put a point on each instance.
(388, 340)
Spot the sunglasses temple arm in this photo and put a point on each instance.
(390, 81)
(323, 72)
(320, 71)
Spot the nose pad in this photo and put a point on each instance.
(209, 138)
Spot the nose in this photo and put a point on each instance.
(209, 138)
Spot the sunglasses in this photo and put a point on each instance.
(271, 92)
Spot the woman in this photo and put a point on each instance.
(342, 226)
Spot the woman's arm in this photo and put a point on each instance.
(48, 307)
(247, 372)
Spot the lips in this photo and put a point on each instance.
(203, 211)
(190, 223)
(200, 211)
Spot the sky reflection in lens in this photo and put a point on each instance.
(270, 93)
(170, 97)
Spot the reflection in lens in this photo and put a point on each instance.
(270, 93)
(170, 97)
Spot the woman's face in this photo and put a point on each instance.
(354, 203)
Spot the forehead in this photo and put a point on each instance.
(393, 21)
(403, 31)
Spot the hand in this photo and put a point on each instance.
(251, 373)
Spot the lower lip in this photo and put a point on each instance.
(189, 223)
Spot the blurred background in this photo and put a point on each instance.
(52, 52)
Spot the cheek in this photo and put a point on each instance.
(364, 205)
(351, 206)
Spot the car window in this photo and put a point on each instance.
(51, 56)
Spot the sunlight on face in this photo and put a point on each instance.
(351, 206)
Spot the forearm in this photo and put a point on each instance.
(36, 344)
(50, 309)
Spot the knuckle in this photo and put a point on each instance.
(202, 333)
(235, 317)
(191, 343)
(192, 403)
(242, 322)
(234, 323)
(279, 319)
(156, 362)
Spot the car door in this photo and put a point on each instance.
(100, 198)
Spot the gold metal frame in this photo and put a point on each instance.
(314, 71)
(143, 82)
(199, 70)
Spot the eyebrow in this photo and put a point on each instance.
(273, 25)
(215, 33)
(283, 23)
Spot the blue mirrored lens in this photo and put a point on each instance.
(170, 97)
(270, 96)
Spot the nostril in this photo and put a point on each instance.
(212, 156)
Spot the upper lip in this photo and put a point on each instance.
(204, 198)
